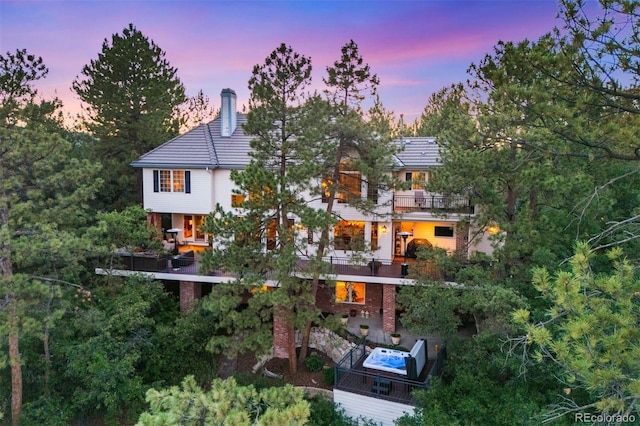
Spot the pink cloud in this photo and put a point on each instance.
(415, 47)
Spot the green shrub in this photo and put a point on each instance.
(257, 381)
(45, 410)
(325, 413)
(330, 376)
(314, 363)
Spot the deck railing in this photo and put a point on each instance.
(336, 265)
(433, 203)
(352, 266)
(351, 376)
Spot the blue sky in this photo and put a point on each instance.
(415, 47)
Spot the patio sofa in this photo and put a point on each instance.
(183, 259)
(147, 262)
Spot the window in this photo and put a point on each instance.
(350, 292)
(237, 200)
(349, 235)
(443, 231)
(198, 222)
(191, 226)
(187, 226)
(350, 184)
(165, 180)
(178, 181)
(374, 236)
(172, 181)
(272, 234)
(418, 179)
(326, 189)
(372, 191)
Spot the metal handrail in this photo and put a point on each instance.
(346, 367)
(431, 202)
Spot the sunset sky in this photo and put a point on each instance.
(415, 47)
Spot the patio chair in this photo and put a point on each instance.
(420, 200)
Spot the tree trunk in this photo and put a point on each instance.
(47, 359)
(314, 291)
(324, 238)
(16, 368)
(13, 322)
(533, 205)
(293, 360)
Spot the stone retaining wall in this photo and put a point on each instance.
(328, 342)
(323, 340)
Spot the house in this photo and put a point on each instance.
(186, 177)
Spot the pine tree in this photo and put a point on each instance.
(44, 197)
(131, 95)
(226, 403)
(591, 332)
(274, 184)
(350, 144)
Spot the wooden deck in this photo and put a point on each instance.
(355, 378)
(338, 266)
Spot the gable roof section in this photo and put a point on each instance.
(233, 151)
(417, 153)
(201, 147)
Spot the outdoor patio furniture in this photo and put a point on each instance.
(421, 202)
(183, 259)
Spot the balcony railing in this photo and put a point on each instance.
(352, 377)
(188, 264)
(375, 268)
(432, 203)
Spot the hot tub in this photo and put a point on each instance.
(387, 360)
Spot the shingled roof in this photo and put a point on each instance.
(203, 147)
(417, 153)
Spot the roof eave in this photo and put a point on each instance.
(143, 165)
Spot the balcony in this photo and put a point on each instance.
(433, 203)
(187, 263)
(374, 268)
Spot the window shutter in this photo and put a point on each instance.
(156, 181)
(187, 181)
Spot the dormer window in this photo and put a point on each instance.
(172, 181)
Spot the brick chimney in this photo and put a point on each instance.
(228, 115)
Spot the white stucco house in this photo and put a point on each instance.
(186, 177)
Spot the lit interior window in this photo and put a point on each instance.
(178, 181)
(350, 292)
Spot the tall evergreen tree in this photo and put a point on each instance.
(274, 184)
(44, 198)
(131, 96)
(350, 144)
